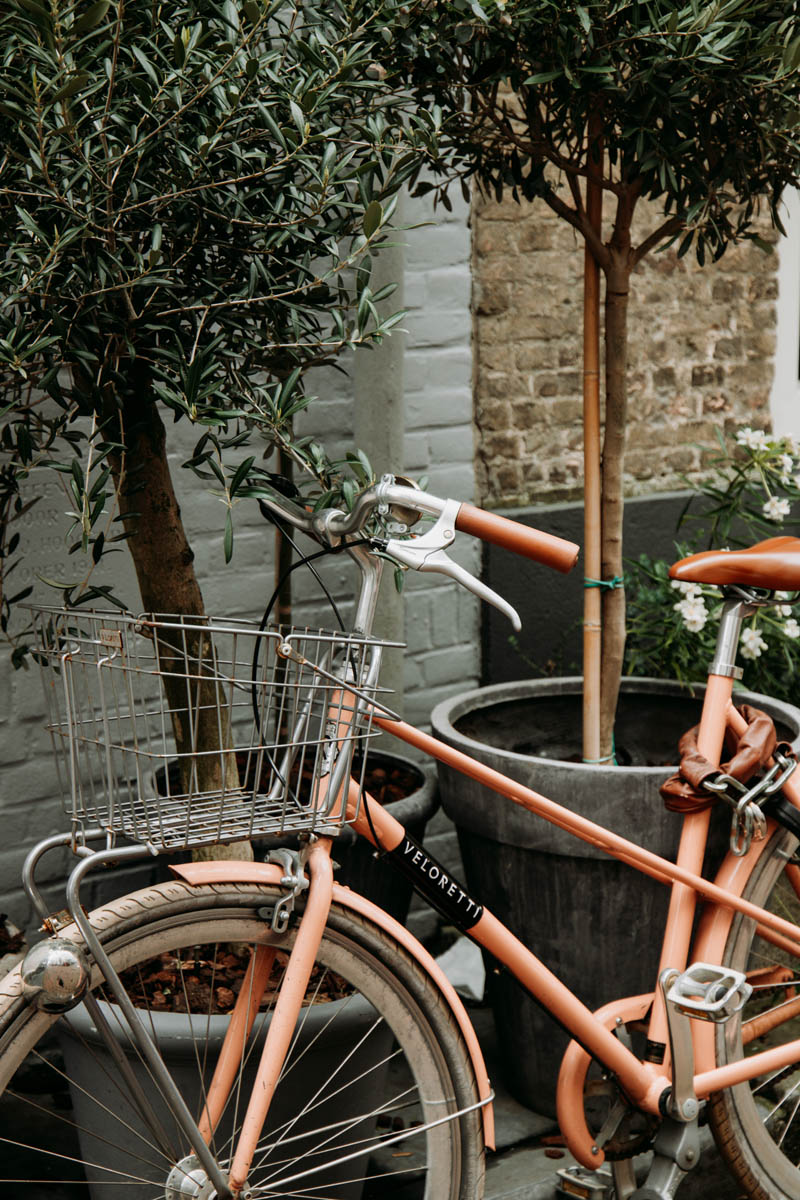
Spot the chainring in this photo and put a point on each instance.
(622, 1130)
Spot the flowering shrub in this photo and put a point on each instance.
(672, 626)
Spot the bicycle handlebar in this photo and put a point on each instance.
(535, 544)
(543, 547)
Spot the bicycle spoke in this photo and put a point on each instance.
(341, 1127)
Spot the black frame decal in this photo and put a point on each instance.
(435, 883)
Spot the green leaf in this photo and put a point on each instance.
(298, 116)
(74, 84)
(231, 15)
(92, 17)
(541, 77)
(58, 583)
(241, 473)
(228, 540)
(373, 216)
(39, 12)
(145, 64)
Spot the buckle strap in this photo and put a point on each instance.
(750, 753)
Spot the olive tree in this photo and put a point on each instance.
(191, 195)
(595, 109)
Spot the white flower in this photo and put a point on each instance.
(752, 643)
(690, 590)
(753, 439)
(785, 466)
(776, 508)
(791, 628)
(693, 613)
(784, 610)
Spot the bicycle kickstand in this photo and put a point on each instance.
(706, 993)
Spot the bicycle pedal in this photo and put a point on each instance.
(709, 993)
(586, 1184)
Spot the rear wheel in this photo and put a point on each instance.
(376, 1062)
(757, 1124)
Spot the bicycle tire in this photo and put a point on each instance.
(417, 1068)
(756, 1124)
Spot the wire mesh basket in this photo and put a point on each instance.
(180, 731)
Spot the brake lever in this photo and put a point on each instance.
(427, 553)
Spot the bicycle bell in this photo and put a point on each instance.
(398, 513)
(55, 974)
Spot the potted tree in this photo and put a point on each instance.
(186, 233)
(642, 126)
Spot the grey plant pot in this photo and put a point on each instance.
(359, 868)
(325, 1044)
(591, 919)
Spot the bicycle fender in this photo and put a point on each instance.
(229, 871)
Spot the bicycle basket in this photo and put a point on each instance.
(181, 731)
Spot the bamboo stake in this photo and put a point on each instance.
(592, 527)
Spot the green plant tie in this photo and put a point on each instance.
(609, 758)
(617, 582)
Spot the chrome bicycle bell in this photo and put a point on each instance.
(55, 974)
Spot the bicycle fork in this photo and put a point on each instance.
(201, 1170)
(284, 1016)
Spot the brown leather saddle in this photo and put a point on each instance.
(773, 564)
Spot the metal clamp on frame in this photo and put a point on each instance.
(293, 863)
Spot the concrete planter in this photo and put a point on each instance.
(585, 915)
(359, 868)
(329, 1033)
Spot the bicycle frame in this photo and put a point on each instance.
(645, 1082)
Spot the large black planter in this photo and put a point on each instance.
(358, 866)
(591, 919)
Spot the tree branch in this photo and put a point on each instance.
(580, 222)
(667, 230)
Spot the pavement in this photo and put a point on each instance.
(528, 1157)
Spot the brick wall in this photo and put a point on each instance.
(441, 620)
(701, 355)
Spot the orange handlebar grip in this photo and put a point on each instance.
(543, 547)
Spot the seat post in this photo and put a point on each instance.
(737, 607)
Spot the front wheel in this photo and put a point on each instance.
(757, 1124)
(376, 1062)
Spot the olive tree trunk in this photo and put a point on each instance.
(164, 564)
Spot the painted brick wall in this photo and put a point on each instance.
(441, 620)
(702, 343)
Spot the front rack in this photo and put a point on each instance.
(183, 731)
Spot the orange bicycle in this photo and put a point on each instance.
(254, 1029)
